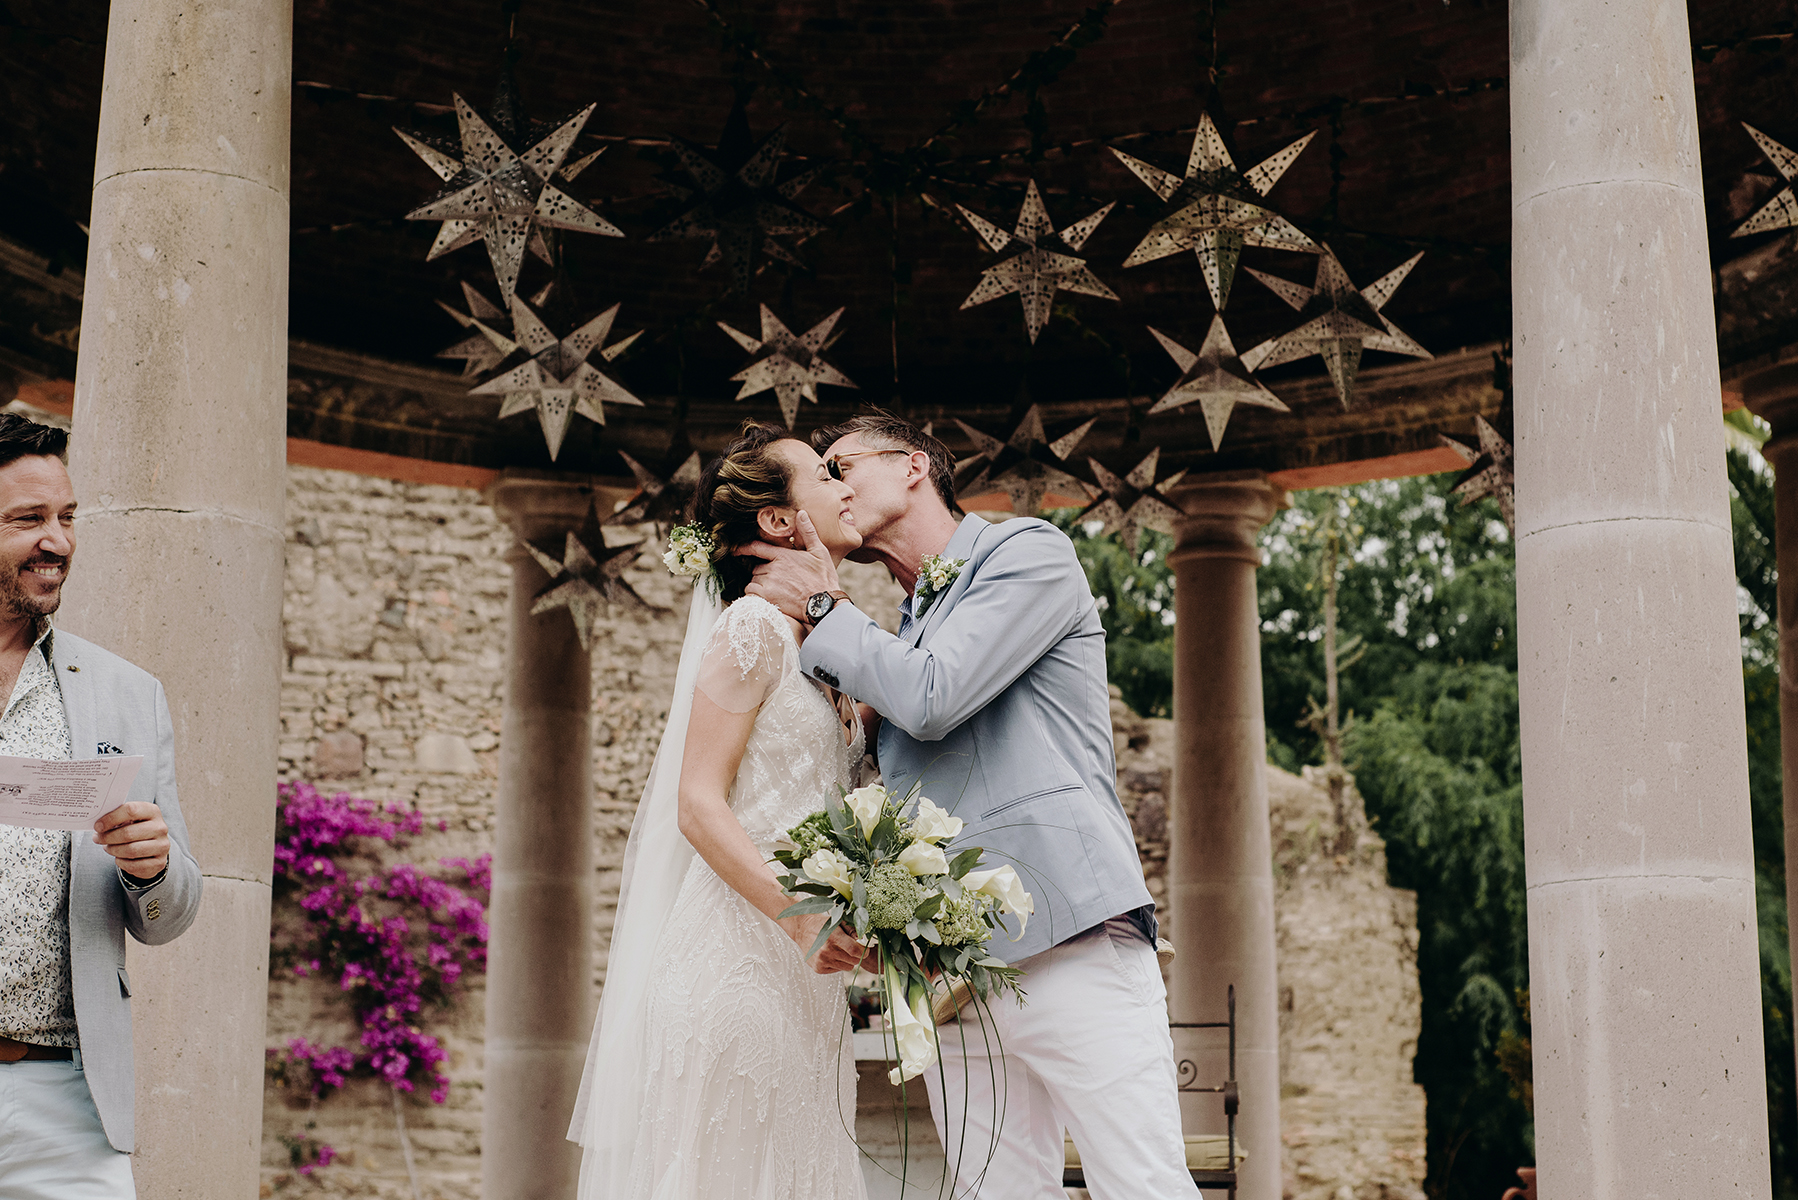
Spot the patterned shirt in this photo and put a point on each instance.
(37, 1001)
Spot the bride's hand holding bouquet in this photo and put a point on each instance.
(882, 867)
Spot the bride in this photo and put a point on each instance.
(721, 1066)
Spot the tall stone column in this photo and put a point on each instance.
(178, 461)
(1220, 860)
(1644, 975)
(540, 957)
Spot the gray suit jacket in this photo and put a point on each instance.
(998, 702)
(109, 701)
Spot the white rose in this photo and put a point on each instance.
(921, 858)
(672, 560)
(696, 560)
(1003, 885)
(830, 868)
(933, 824)
(867, 803)
(914, 1035)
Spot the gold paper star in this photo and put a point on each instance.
(792, 366)
(502, 195)
(1781, 212)
(1134, 502)
(1217, 209)
(558, 381)
(1036, 273)
(1024, 466)
(1215, 377)
(587, 578)
(739, 203)
(664, 501)
(1490, 471)
(1343, 321)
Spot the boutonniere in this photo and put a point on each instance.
(935, 574)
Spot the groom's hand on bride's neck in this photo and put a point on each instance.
(788, 578)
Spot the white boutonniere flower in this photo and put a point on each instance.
(689, 551)
(935, 574)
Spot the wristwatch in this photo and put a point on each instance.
(819, 605)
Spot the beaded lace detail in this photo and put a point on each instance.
(751, 1083)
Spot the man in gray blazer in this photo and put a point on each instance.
(993, 696)
(67, 900)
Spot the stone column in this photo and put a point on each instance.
(1220, 860)
(178, 462)
(1644, 976)
(540, 958)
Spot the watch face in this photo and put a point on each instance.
(819, 606)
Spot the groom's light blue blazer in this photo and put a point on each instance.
(997, 700)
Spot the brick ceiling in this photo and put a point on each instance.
(1408, 98)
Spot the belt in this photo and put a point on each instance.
(11, 1052)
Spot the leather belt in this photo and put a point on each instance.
(12, 1051)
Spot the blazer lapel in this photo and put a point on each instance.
(77, 697)
(943, 603)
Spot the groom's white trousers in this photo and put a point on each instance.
(1089, 1052)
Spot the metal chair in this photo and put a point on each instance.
(1188, 1071)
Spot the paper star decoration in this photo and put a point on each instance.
(586, 578)
(1036, 273)
(663, 501)
(557, 380)
(1342, 321)
(792, 366)
(1024, 466)
(1135, 501)
(479, 352)
(1490, 469)
(1215, 378)
(499, 186)
(1217, 209)
(739, 202)
(1781, 212)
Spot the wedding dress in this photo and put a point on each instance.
(722, 1067)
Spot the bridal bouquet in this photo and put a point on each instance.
(881, 867)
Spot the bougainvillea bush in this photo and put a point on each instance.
(397, 939)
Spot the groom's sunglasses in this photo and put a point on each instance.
(834, 464)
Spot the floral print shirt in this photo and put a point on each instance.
(37, 1002)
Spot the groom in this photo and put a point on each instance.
(993, 695)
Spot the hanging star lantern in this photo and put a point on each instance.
(792, 366)
(1216, 209)
(1215, 378)
(1341, 322)
(499, 185)
(1133, 502)
(587, 577)
(1037, 273)
(739, 203)
(480, 351)
(663, 501)
(1781, 212)
(1490, 470)
(557, 380)
(1025, 466)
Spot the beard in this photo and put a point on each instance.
(15, 601)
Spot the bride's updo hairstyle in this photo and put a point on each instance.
(751, 475)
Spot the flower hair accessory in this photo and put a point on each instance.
(689, 551)
(935, 574)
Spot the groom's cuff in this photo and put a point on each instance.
(834, 632)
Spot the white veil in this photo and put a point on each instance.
(610, 1104)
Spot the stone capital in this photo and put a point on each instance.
(1222, 515)
(540, 504)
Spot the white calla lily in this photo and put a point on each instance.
(914, 1032)
(933, 823)
(922, 858)
(867, 803)
(1003, 885)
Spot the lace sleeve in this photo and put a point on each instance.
(744, 659)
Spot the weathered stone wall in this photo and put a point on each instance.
(395, 622)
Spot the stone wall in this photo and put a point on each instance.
(395, 620)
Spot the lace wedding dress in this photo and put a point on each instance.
(748, 1068)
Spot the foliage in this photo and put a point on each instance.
(305, 1153)
(396, 939)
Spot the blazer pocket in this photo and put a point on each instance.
(124, 984)
(1008, 805)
